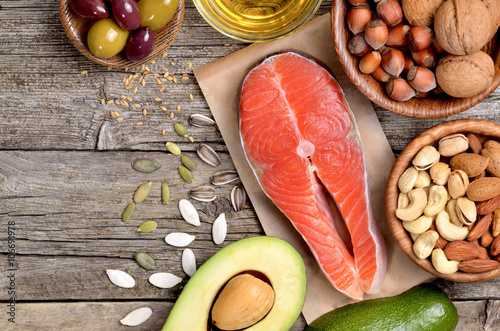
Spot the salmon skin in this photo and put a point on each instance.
(301, 140)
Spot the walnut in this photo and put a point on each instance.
(421, 12)
(463, 76)
(494, 9)
(462, 26)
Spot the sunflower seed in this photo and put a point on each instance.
(145, 260)
(142, 192)
(224, 177)
(207, 154)
(120, 278)
(189, 213)
(148, 226)
(165, 194)
(180, 129)
(137, 317)
(164, 279)
(173, 148)
(188, 262)
(145, 165)
(128, 212)
(201, 120)
(179, 239)
(188, 162)
(186, 174)
(203, 193)
(219, 229)
(238, 197)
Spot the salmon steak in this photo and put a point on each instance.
(300, 138)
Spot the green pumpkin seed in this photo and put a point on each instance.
(188, 162)
(180, 129)
(186, 174)
(145, 260)
(145, 165)
(142, 192)
(147, 227)
(173, 148)
(128, 212)
(165, 194)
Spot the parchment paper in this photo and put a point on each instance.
(220, 81)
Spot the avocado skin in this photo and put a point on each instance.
(423, 307)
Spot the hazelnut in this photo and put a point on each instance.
(390, 12)
(398, 89)
(421, 95)
(357, 46)
(369, 62)
(376, 33)
(437, 46)
(425, 58)
(393, 61)
(381, 75)
(358, 17)
(419, 38)
(420, 12)
(357, 2)
(463, 76)
(408, 64)
(421, 79)
(397, 35)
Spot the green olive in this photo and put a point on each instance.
(106, 38)
(157, 13)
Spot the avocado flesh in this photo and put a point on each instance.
(273, 257)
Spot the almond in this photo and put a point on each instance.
(495, 224)
(474, 143)
(472, 164)
(495, 247)
(493, 167)
(480, 228)
(460, 250)
(489, 206)
(484, 252)
(483, 189)
(487, 239)
(478, 266)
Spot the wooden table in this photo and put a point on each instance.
(65, 176)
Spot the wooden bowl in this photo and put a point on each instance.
(76, 28)
(431, 137)
(430, 107)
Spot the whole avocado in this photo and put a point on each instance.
(423, 307)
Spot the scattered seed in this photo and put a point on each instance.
(173, 148)
(171, 115)
(145, 165)
(165, 194)
(190, 64)
(120, 278)
(174, 79)
(163, 132)
(164, 279)
(136, 105)
(201, 120)
(157, 99)
(219, 229)
(142, 192)
(179, 239)
(178, 108)
(203, 193)
(103, 101)
(158, 81)
(188, 162)
(164, 54)
(137, 317)
(180, 129)
(224, 177)
(135, 89)
(191, 139)
(143, 82)
(172, 63)
(163, 108)
(186, 174)
(191, 96)
(162, 89)
(147, 227)
(189, 213)
(144, 112)
(128, 212)
(207, 154)
(145, 260)
(117, 102)
(130, 99)
(139, 123)
(119, 119)
(164, 69)
(128, 87)
(109, 102)
(84, 72)
(188, 262)
(238, 197)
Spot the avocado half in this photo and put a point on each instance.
(274, 258)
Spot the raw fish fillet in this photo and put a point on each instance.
(300, 138)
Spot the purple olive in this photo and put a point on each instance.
(127, 14)
(93, 9)
(140, 44)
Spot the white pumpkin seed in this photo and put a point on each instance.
(142, 192)
(164, 280)
(207, 154)
(120, 278)
(179, 239)
(224, 177)
(238, 197)
(137, 317)
(201, 120)
(189, 213)
(188, 262)
(203, 193)
(219, 229)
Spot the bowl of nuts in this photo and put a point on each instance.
(419, 58)
(443, 200)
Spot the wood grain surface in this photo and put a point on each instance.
(65, 174)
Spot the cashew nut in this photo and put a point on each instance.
(442, 264)
(449, 231)
(452, 212)
(403, 200)
(407, 180)
(423, 246)
(420, 225)
(438, 196)
(418, 201)
(414, 236)
(423, 179)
